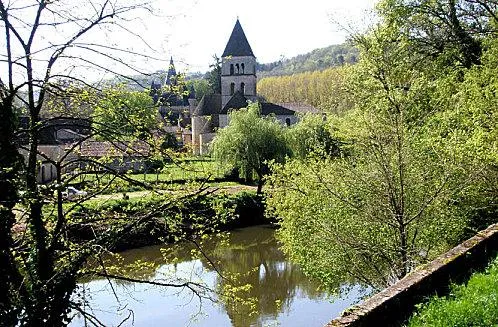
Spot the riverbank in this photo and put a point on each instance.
(165, 218)
(471, 304)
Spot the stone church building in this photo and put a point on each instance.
(238, 86)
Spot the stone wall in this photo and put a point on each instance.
(393, 305)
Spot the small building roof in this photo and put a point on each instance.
(210, 104)
(268, 108)
(237, 45)
(237, 101)
(300, 107)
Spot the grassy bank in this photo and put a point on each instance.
(172, 175)
(474, 304)
(168, 218)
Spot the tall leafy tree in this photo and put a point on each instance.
(451, 30)
(374, 214)
(132, 113)
(311, 136)
(214, 75)
(48, 42)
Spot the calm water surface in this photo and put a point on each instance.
(280, 295)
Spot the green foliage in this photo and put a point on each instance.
(199, 215)
(473, 304)
(213, 76)
(69, 99)
(325, 90)
(466, 130)
(382, 208)
(249, 142)
(318, 59)
(311, 135)
(127, 114)
(201, 87)
(450, 32)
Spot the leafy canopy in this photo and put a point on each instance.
(382, 208)
(131, 114)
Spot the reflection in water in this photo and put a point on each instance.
(279, 294)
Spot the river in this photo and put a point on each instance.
(278, 295)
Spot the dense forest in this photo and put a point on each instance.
(318, 59)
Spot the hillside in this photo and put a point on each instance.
(318, 59)
(315, 60)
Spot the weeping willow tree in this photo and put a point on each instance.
(249, 142)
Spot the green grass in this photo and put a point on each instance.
(186, 170)
(474, 304)
(144, 194)
(182, 170)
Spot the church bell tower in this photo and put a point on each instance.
(238, 67)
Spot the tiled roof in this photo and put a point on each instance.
(237, 101)
(268, 108)
(210, 104)
(299, 107)
(237, 43)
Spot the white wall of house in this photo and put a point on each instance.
(205, 140)
(287, 120)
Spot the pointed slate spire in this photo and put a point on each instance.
(237, 45)
(191, 92)
(171, 72)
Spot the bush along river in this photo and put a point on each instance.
(260, 287)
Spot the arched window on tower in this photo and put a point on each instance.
(232, 88)
(238, 68)
(231, 69)
(243, 88)
(242, 67)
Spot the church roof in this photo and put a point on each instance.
(237, 101)
(237, 43)
(268, 108)
(210, 104)
(171, 72)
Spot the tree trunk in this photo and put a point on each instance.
(9, 168)
(260, 183)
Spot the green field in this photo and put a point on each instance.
(177, 172)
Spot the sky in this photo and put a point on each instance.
(192, 31)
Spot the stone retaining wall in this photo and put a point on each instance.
(393, 305)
